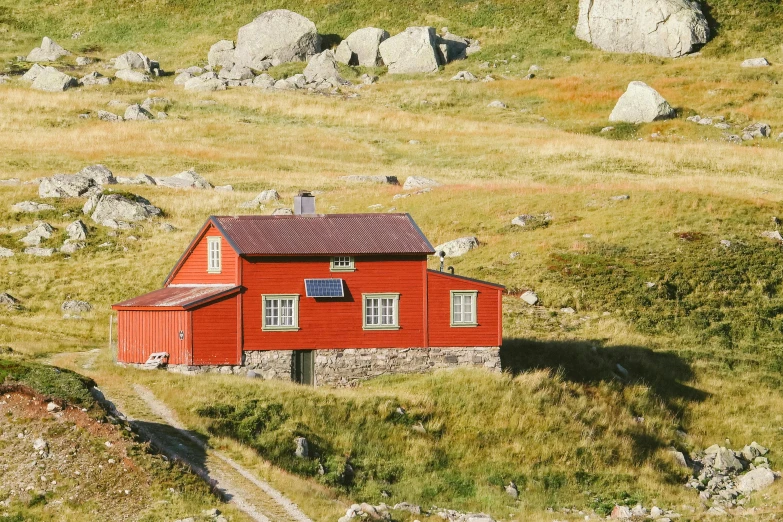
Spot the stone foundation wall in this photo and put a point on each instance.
(350, 366)
(347, 367)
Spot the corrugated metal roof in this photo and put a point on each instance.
(330, 234)
(178, 296)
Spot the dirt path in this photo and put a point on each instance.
(255, 497)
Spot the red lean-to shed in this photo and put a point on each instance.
(265, 291)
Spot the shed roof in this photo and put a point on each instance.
(328, 234)
(179, 297)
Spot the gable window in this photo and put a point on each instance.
(381, 311)
(463, 308)
(281, 312)
(342, 264)
(214, 262)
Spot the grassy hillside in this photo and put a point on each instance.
(701, 343)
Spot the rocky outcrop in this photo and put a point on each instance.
(641, 103)
(362, 47)
(415, 50)
(49, 51)
(667, 28)
(457, 247)
(30, 207)
(117, 207)
(51, 80)
(276, 37)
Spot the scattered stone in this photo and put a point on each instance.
(40, 445)
(39, 252)
(31, 207)
(532, 221)
(282, 212)
(302, 448)
(67, 186)
(119, 208)
(621, 512)
(53, 407)
(36, 235)
(658, 27)
(514, 255)
(52, 80)
(236, 73)
(74, 306)
(266, 196)
(452, 47)
(464, 76)
(94, 78)
(77, 231)
(772, 234)
(49, 51)
(756, 480)
(362, 48)
(186, 179)
(132, 60)
(137, 113)
(410, 508)
(70, 246)
(323, 68)
(381, 179)
(225, 188)
(82, 61)
(276, 37)
(530, 297)
(607, 129)
(639, 104)
(168, 227)
(6, 252)
(418, 182)
(132, 76)
(108, 116)
(8, 301)
(182, 78)
(458, 247)
(264, 81)
(621, 197)
(497, 104)
(755, 62)
(758, 130)
(511, 490)
(412, 51)
(568, 310)
(206, 82)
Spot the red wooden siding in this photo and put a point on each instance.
(194, 268)
(335, 323)
(142, 332)
(489, 307)
(215, 333)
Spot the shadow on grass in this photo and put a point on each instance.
(588, 362)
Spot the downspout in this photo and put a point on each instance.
(426, 325)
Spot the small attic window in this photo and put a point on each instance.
(214, 265)
(342, 264)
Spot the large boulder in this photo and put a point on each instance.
(136, 112)
(52, 80)
(32, 73)
(221, 54)
(323, 68)
(362, 47)
(48, 52)
(415, 50)
(453, 47)
(65, 186)
(667, 28)
(755, 480)
(120, 208)
(276, 37)
(132, 60)
(641, 103)
(100, 174)
(457, 247)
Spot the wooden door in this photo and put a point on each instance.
(304, 367)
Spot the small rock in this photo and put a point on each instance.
(53, 407)
(511, 490)
(621, 512)
(772, 234)
(568, 310)
(75, 306)
(621, 197)
(607, 129)
(497, 104)
(755, 62)
(530, 297)
(464, 76)
(302, 448)
(417, 182)
(457, 247)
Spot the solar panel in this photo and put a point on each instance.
(324, 287)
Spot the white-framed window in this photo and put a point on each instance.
(342, 264)
(281, 312)
(381, 311)
(214, 261)
(463, 307)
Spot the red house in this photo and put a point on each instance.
(326, 299)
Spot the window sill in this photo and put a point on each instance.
(380, 327)
(213, 271)
(342, 269)
(279, 328)
(464, 325)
